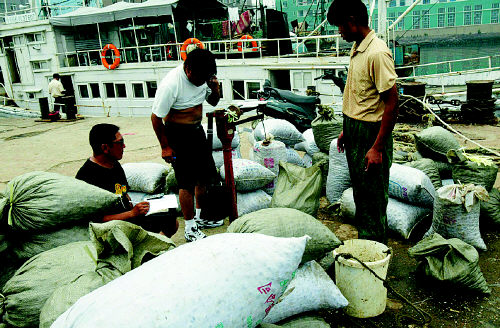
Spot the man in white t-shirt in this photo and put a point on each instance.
(56, 90)
(176, 118)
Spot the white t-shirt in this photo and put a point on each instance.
(56, 88)
(177, 92)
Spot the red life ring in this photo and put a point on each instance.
(186, 43)
(247, 37)
(116, 62)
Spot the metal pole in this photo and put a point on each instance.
(99, 35)
(410, 8)
(136, 43)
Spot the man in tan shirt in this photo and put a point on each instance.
(56, 90)
(370, 112)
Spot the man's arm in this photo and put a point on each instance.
(166, 152)
(214, 97)
(390, 99)
(139, 209)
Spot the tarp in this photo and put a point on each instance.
(115, 12)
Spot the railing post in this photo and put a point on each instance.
(317, 47)
(78, 59)
(337, 46)
(489, 61)
(279, 52)
(151, 54)
(449, 67)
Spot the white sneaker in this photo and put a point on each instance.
(193, 234)
(204, 224)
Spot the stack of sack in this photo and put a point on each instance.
(52, 281)
(41, 210)
(217, 152)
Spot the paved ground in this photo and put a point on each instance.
(62, 147)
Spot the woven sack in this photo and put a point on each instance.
(326, 130)
(146, 177)
(249, 175)
(435, 142)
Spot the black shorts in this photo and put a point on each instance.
(193, 164)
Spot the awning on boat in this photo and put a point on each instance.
(115, 12)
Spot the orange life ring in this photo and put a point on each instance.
(247, 37)
(186, 43)
(116, 62)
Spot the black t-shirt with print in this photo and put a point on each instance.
(112, 180)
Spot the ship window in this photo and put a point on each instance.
(301, 80)
(34, 37)
(84, 91)
(94, 87)
(18, 40)
(121, 90)
(138, 89)
(31, 95)
(251, 88)
(238, 90)
(110, 90)
(151, 87)
(221, 90)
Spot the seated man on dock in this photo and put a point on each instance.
(176, 118)
(103, 170)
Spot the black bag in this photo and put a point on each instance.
(216, 202)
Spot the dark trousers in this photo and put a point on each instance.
(371, 189)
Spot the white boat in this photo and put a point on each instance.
(71, 44)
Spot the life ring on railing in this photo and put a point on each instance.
(187, 43)
(247, 37)
(116, 52)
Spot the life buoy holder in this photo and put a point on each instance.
(116, 52)
(188, 42)
(247, 37)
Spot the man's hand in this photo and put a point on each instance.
(340, 142)
(213, 83)
(373, 157)
(140, 209)
(167, 154)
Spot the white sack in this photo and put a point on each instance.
(293, 157)
(224, 280)
(402, 218)
(145, 177)
(309, 145)
(270, 156)
(252, 201)
(216, 143)
(218, 156)
(411, 185)
(338, 178)
(281, 130)
(249, 175)
(308, 161)
(310, 290)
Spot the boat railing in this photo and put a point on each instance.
(312, 46)
(451, 67)
(35, 13)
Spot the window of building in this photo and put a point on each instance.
(284, 4)
(301, 13)
(391, 17)
(151, 88)
(84, 91)
(402, 2)
(451, 16)
(110, 90)
(467, 15)
(401, 24)
(18, 40)
(238, 90)
(392, 3)
(478, 14)
(94, 88)
(35, 37)
(443, 0)
(301, 80)
(441, 16)
(31, 95)
(425, 2)
(121, 90)
(374, 24)
(494, 12)
(426, 19)
(40, 65)
(252, 87)
(13, 7)
(416, 20)
(138, 90)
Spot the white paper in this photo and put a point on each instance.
(162, 204)
(233, 14)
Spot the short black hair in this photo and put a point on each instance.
(202, 62)
(56, 75)
(103, 133)
(341, 10)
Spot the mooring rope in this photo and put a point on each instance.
(426, 317)
(426, 106)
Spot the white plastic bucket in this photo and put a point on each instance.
(366, 293)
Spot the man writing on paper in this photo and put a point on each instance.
(176, 118)
(370, 112)
(103, 170)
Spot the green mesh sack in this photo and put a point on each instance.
(301, 321)
(490, 209)
(429, 167)
(325, 128)
(475, 173)
(450, 261)
(289, 222)
(40, 201)
(435, 142)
